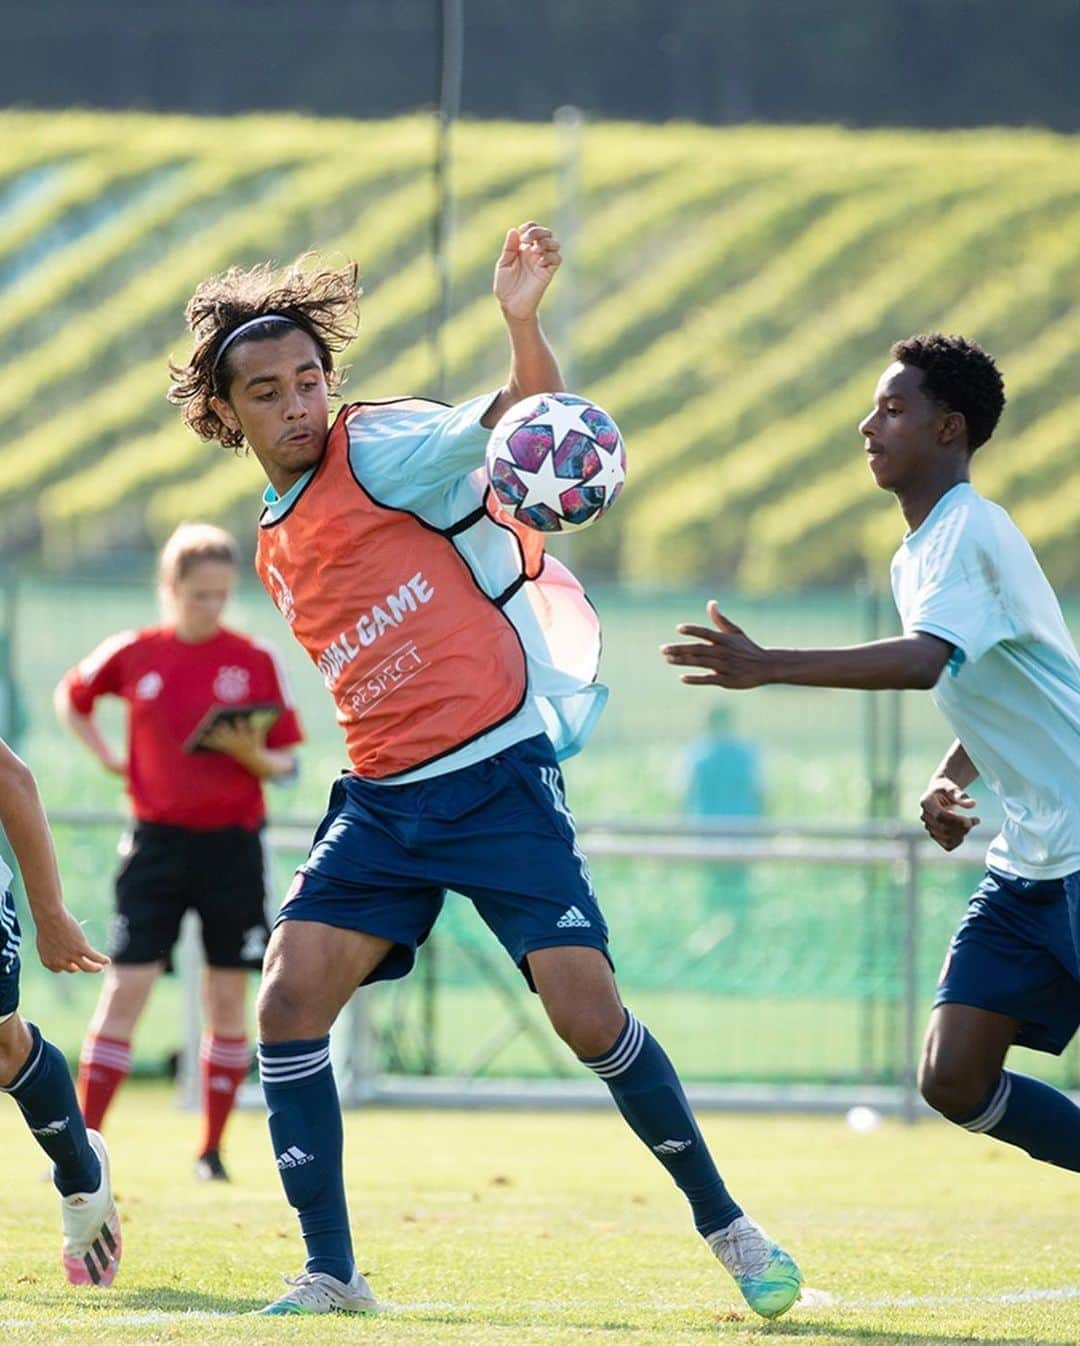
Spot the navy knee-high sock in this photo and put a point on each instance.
(46, 1098)
(1032, 1115)
(648, 1093)
(305, 1128)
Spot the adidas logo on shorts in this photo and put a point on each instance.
(571, 917)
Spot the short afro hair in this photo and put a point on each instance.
(960, 376)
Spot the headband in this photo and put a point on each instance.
(246, 327)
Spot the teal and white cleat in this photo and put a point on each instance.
(767, 1276)
(319, 1292)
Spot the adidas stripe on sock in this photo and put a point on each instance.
(104, 1064)
(306, 1133)
(647, 1092)
(1032, 1115)
(224, 1065)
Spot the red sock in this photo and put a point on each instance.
(105, 1063)
(225, 1063)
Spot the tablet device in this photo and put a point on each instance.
(261, 713)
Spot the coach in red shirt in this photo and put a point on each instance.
(209, 719)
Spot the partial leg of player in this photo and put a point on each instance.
(578, 990)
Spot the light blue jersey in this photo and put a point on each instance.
(429, 460)
(1011, 689)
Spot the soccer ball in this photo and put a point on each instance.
(556, 462)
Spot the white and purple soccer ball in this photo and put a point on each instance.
(556, 462)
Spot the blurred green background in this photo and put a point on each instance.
(729, 294)
(766, 972)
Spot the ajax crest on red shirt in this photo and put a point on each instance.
(232, 683)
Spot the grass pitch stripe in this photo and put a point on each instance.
(822, 1299)
(813, 1300)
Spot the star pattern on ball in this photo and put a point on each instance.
(542, 487)
(611, 475)
(563, 417)
(556, 462)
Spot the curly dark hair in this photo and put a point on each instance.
(323, 303)
(960, 376)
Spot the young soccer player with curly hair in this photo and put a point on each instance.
(441, 634)
(984, 632)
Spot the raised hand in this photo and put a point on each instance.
(530, 257)
(728, 654)
(938, 813)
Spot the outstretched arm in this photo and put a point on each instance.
(946, 793)
(729, 658)
(530, 257)
(60, 940)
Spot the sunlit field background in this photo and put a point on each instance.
(730, 296)
(481, 1228)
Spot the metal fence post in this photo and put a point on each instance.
(191, 970)
(351, 1049)
(909, 1081)
(362, 1046)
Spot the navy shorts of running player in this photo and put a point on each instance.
(1014, 954)
(498, 832)
(10, 938)
(166, 871)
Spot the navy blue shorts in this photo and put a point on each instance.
(10, 939)
(1014, 953)
(498, 832)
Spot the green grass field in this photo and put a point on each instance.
(556, 1228)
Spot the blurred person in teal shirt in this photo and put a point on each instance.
(723, 781)
(723, 771)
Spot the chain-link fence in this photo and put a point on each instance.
(760, 968)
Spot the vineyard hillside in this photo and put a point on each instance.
(730, 296)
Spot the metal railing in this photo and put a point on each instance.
(904, 848)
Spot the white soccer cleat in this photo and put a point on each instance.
(92, 1243)
(766, 1275)
(319, 1292)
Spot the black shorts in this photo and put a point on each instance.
(167, 871)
